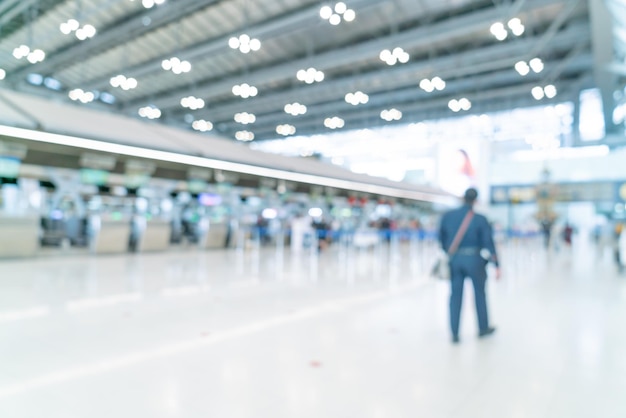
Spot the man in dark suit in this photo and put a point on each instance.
(475, 249)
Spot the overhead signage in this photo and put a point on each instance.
(97, 161)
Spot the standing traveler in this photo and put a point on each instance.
(469, 255)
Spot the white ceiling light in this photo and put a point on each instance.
(516, 26)
(245, 118)
(72, 25)
(202, 125)
(244, 136)
(438, 83)
(121, 81)
(334, 122)
(150, 112)
(550, 91)
(336, 13)
(81, 96)
(244, 43)
(393, 57)
(3, 74)
(429, 86)
(176, 65)
(295, 109)
(391, 114)
(34, 56)
(522, 68)
(192, 102)
(458, 105)
(357, 98)
(310, 75)
(151, 3)
(245, 90)
(537, 93)
(285, 129)
(500, 32)
(536, 64)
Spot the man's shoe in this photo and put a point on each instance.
(486, 332)
(455, 339)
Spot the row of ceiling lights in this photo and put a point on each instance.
(82, 96)
(33, 56)
(285, 129)
(456, 105)
(123, 82)
(460, 104)
(245, 118)
(397, 55)
(501, 33)
(548, 91)
(335, 14)
(391, 114)
(176, 65)
(523, 68)
(310, 75)
(245, 136)
(244, 43)
(72, 25)
(295, 109)
(192, 102)
(357, 98)
(245, 90)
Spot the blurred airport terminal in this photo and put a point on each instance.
(231, 208)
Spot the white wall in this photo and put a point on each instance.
(507, 170)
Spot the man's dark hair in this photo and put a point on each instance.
(470, 195)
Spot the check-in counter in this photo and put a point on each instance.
(112, 237)
(156, 236)
(19, 236)
(216, 236)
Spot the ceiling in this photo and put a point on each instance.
(450, 39)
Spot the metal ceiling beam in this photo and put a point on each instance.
(6, 5)
(486, 59)
(602, 41)
(278, 26)
(111, 36)
(420, 37)
(407, 99)
(8, 12)
(496, 100)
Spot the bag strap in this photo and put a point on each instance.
(460, 233)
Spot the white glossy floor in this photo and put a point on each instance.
(346, 334)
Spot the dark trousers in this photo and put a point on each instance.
(473, 266)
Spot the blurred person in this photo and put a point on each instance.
(567, 233)
(620, 252)
(616, 234)
(475, 249)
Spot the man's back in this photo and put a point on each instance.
(478, 234)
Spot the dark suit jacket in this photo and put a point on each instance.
(478, 235)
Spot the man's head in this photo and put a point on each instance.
(470, 196)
